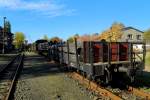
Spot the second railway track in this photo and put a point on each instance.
(8, 76)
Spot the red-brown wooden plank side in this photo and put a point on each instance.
(96, 51)
(114, 51)
(100, 52)
(123, 55)
(86, 52)
(105, 53)
(119, 51)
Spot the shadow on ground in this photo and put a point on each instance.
(38, 66)
(143, 80)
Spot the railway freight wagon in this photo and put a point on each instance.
(102, 60)
(41, 46)
(53, 51)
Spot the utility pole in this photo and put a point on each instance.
(4, 37)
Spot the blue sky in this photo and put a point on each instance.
(64, 18)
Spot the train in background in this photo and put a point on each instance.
(41, 45)
(99, 60)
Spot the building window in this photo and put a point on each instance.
(138, 37)
(130, 36)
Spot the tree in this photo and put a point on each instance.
(55, 39)
(19, 39)
(7, 27)
(76, 35)
(114, 33)
(45, 37)
(147, 35)
(70, 39)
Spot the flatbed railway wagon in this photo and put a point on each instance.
(103, 61)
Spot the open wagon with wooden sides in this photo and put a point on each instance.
(103, 60)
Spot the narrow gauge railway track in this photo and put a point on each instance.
(112, 94)
(8, 76)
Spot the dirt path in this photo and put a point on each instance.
(42, 80)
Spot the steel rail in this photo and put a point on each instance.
(16, 64)
(94, 87)
(139, 92)
(8, 97)
(104, 92)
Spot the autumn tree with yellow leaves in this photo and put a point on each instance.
(55, 39)
(19, 39)
(113, 34)
(72, 38)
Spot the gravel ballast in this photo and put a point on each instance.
(43, 80)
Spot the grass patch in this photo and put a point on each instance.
(147, 89)
(147, 59)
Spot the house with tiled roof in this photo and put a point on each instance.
(130, 34)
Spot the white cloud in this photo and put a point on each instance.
(44, 7)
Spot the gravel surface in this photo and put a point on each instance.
(43, 80)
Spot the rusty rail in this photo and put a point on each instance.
(139, 92)
(19, 65)
(94, 87)
(9, 76)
